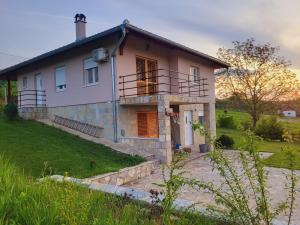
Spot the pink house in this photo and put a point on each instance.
(131, 86)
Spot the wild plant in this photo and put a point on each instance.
(173, 181)
(243, 197)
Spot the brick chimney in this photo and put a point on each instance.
(80, 21)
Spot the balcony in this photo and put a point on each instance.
(179, 86)
(32, 98)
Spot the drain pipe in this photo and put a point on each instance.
(113, 76)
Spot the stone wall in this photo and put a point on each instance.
(151, 146)
(126, 175)
(33, 113)
(98, 114)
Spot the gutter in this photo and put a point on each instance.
(113, 76)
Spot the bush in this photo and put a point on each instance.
(224, 141)
(246, 125)
(270, 128)
(11, 111)
(226, 121)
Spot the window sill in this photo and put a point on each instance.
(58, 91)
(93, 84)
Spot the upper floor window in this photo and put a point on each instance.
(60, 79)
(90, 72)
(194, 74)
(24, 82)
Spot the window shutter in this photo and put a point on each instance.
(90, 63)
(147, 124)
(152, 124)
(142, 124)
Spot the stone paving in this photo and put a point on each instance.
(201, 169)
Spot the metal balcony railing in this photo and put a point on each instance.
(32, 98)
(162, 81)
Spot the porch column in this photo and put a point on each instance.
(164, 128)
(210, 118)
(9, 98)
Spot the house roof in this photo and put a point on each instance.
(11, 71)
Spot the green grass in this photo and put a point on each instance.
(27, 201)
(31, 145)
(279, 158)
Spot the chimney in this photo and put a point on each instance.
(80, 21)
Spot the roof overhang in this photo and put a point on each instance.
(12, 72)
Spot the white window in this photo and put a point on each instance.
(24, 82)
(90, 72)
(60, 79)
(194, 74)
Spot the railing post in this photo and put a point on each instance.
(36, 101)
(189, 85)
(123, 80)
(170, 81)
(20, 104)
(199, 86)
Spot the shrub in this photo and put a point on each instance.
(224, 141)
(226, 121)
(246, 125)
(11, 111)
(269, 128)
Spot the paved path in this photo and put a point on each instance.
(201, 169)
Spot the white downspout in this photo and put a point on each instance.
(113, 75)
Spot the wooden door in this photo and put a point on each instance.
(146, 71)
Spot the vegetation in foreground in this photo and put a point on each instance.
(35, 147)
(280, 157)
(27, 201)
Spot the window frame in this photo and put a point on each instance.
(24, 84)
(148, 124)
(194, 75)
(86, 74)
(55, 73)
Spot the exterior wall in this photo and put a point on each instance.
(99, 114)
(195, 108)
(185, 61)
(76, 92)
(126, 63)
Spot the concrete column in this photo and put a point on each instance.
(210, 118)
(164, 127)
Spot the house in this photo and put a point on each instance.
(136, 87)
(289, 113)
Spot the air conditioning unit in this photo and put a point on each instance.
(100, 55)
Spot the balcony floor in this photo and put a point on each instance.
(154, 99)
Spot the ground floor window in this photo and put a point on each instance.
(147, 124)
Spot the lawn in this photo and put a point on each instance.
(28, 201)
(37, 148)
(278, 159)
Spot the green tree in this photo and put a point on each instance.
(259, 76)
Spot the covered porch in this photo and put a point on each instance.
(172, 124)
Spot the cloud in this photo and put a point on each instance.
(201, 24)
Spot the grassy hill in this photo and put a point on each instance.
(35, 147)
(278, 159)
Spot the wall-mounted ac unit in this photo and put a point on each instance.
(100, 55)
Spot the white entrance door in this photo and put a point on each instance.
(188, 128)
(39, 88)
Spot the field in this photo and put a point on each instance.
(278, 159)
(37, 148)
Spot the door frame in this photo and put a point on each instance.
(39, 97)
(191, 138)
(147, 82)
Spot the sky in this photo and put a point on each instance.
(31, 27)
